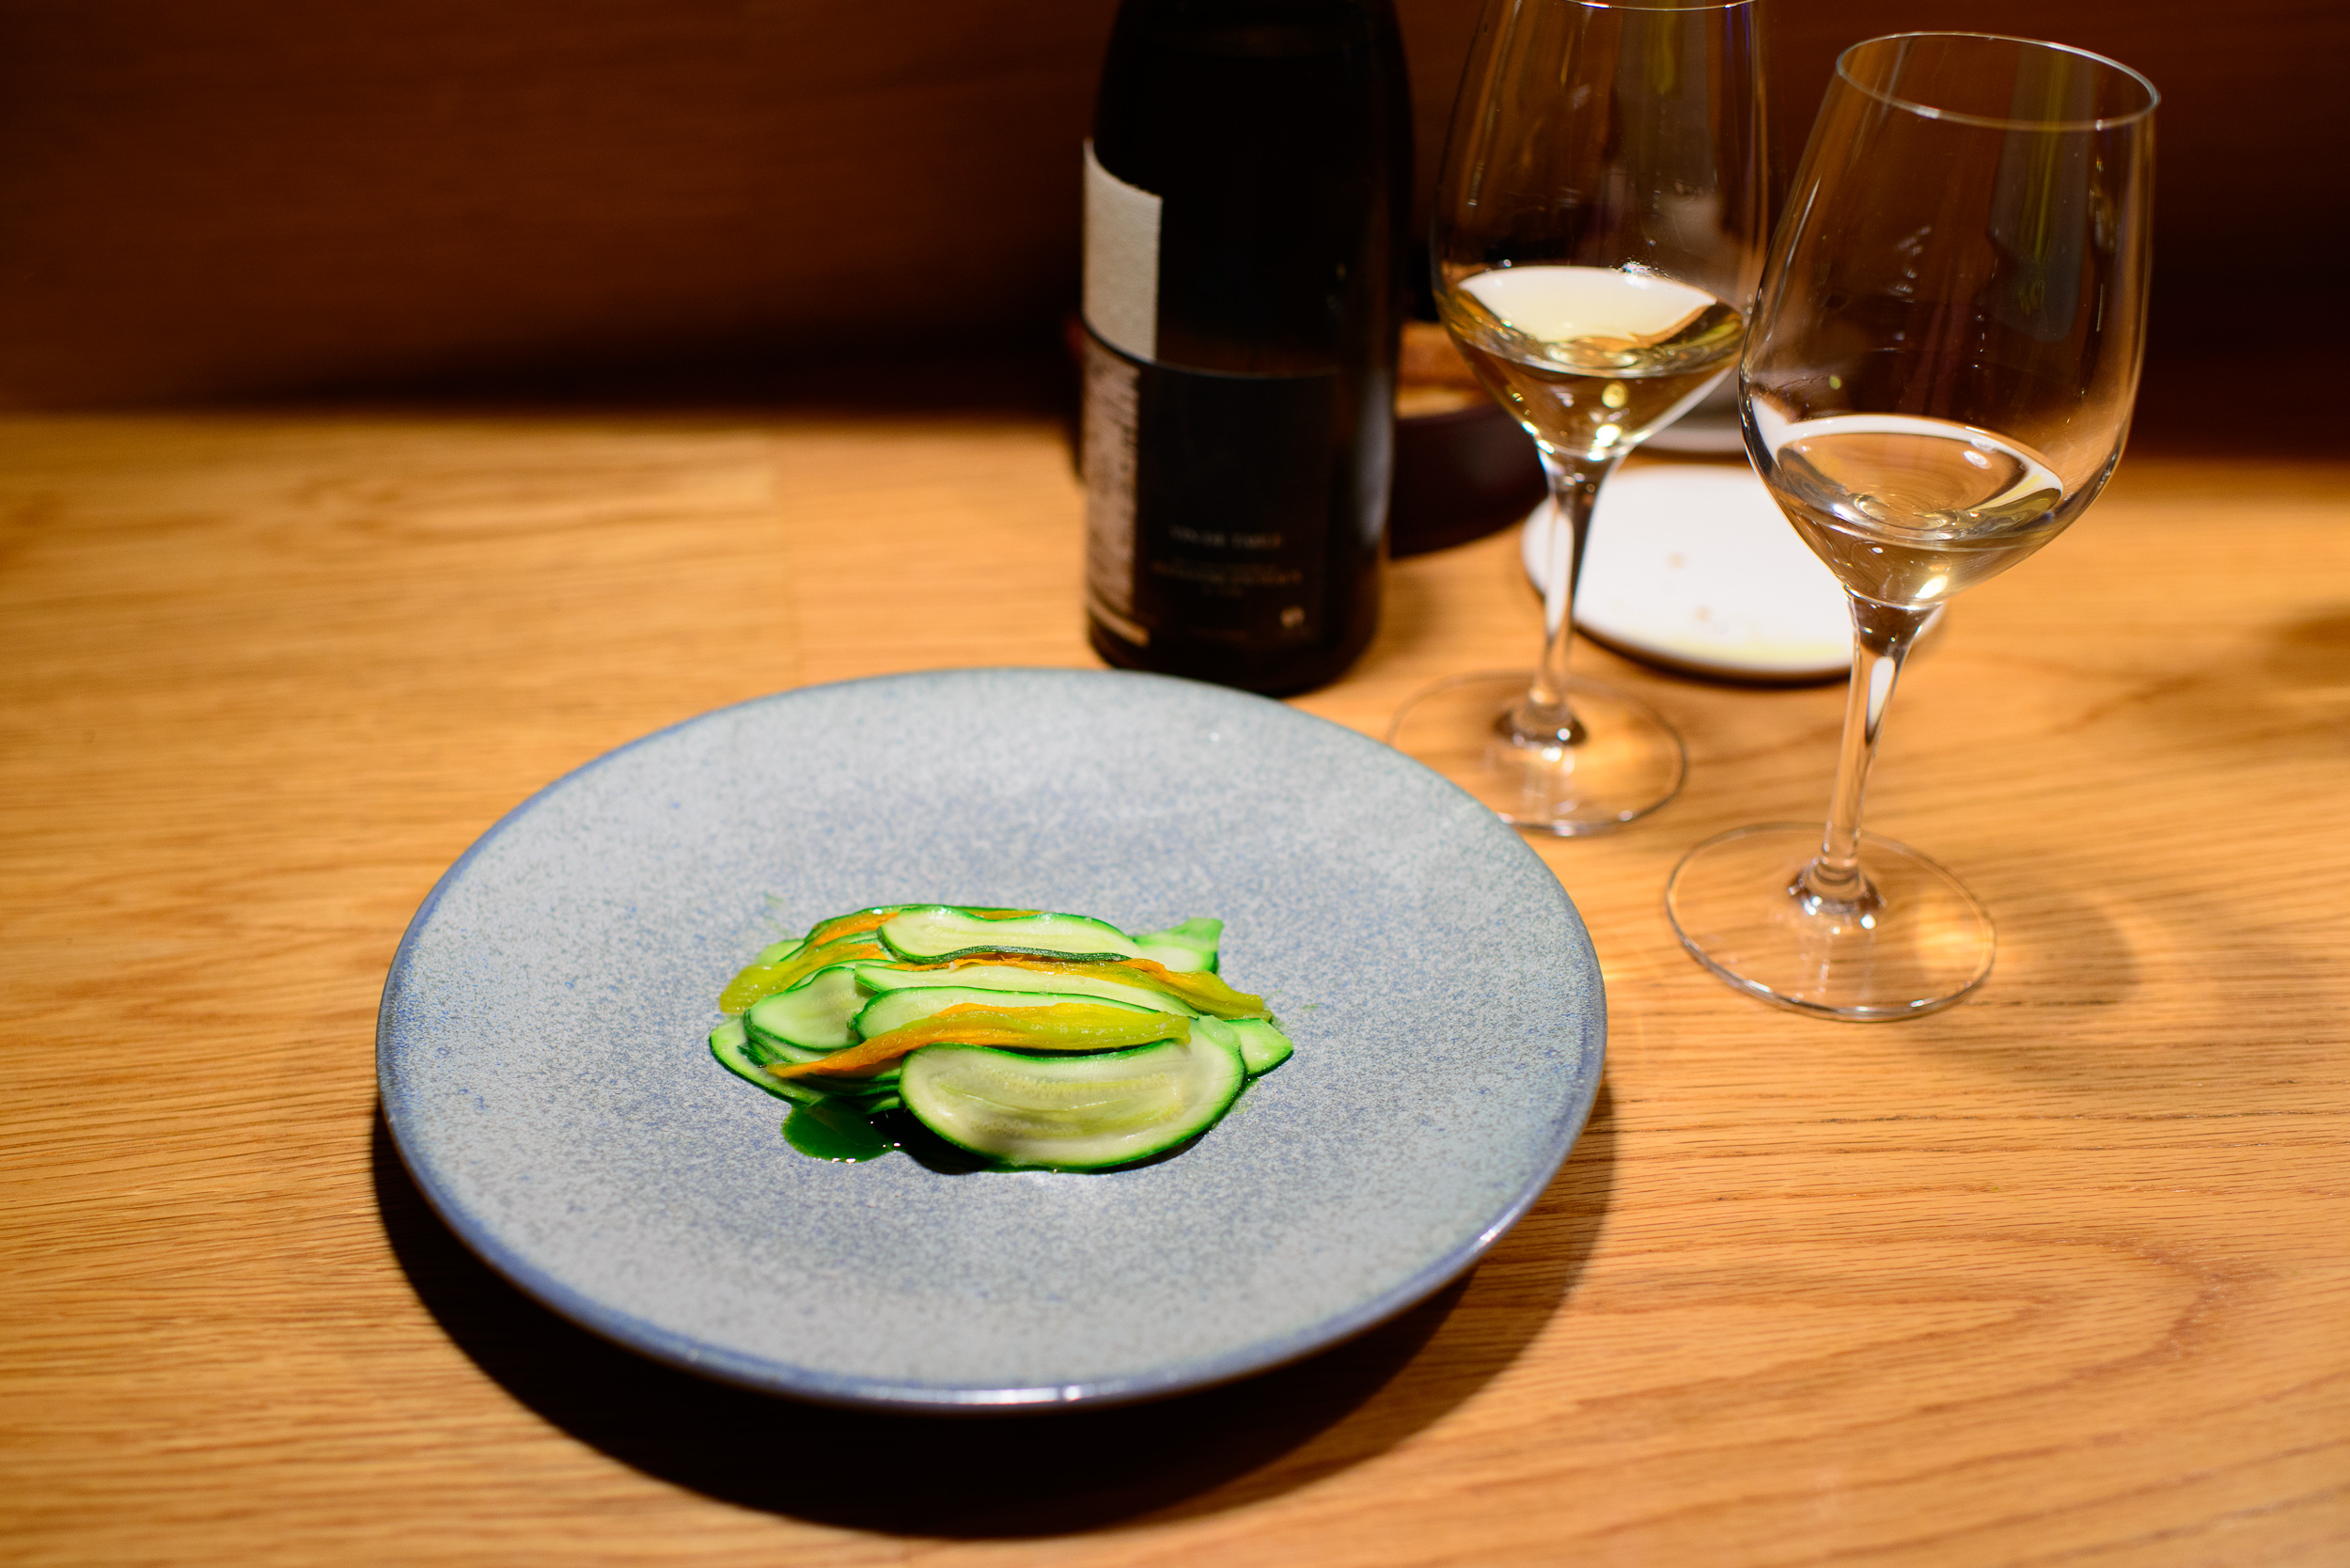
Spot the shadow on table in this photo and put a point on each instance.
(2281, 698)
(1039, 1474)
(2302, 676)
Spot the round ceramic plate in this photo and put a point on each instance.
(541, 1053)
(1693, 567)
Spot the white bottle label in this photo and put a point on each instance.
(1121, 261)
(1108, 434)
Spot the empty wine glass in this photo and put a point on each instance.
(1938, 379)
(1598, 233)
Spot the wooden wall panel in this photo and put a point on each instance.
(247, 197)
(250, 197)
(244, 198)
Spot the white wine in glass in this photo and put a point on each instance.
(1937, 380)
(1598, 229)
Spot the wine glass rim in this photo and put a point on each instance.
(1999, 122)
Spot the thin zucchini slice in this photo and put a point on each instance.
(903, 1021)
(765, 979)
(856, 922)
(770, 1051)
(730, 1045)
(1065, 979)
(814, 1011)
(1195, 992)
(1191, 945)
(859, 922)
(1075, 1112)
(894, 1010)
(927, 934)
(757, 978)
(775, 1053)
(1263, 1046)
(1221, 1031)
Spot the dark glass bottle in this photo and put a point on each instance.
(1246, 190)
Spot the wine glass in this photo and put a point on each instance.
(1598, 231)
(1938, 379)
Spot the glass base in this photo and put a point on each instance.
(1626, 763)
(1918, 945)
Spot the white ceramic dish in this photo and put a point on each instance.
(1693, 567)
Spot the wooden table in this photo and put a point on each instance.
(2060, 1276)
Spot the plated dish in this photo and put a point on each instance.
(542, 1067)
(1001, 1038)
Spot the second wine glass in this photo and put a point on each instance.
(1944, 358)
(1598, 233)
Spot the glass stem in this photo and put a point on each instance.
(1543, 714)
(1882, 636)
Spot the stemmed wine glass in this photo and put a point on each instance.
(1598, 233)
(1938, 378)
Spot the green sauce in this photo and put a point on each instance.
(834, 1131)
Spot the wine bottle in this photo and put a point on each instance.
(1247, 188)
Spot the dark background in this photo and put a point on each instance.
(209, 201)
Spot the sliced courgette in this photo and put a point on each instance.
(927, 934)
(904, 1022)
(730, 1045)
(895, 1010)
(856, 922)
(1191, 945)
(1049, 975)
(860, 922)
(765, 979)
(812, 1012)
(775, 1053)
(1076, 1112)
(1194, 992)
(869, 1095)
(1263, 1046)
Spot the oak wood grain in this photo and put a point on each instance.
(2056, 1276)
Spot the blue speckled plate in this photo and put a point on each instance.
(542, 1065)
